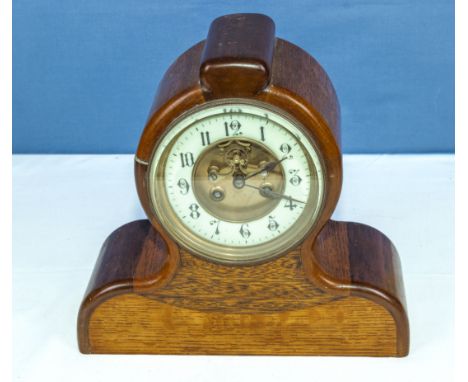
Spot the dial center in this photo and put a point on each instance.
(238, 181)
(228, 174)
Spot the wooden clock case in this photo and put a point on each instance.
(340, 292)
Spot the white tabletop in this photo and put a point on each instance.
(65, 206)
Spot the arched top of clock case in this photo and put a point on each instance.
(286, 69)
(242, 58)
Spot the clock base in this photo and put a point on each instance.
(340, 295)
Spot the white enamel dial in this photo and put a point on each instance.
(236, 182)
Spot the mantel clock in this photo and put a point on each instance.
(239, 169)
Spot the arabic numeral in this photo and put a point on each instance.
(272, 224)
(285, 148)
(187, 159)
(184, 186)
(244, 231)
(289, 204)
(295, 179)
(194, 214)
(205, 137)
(232, 127)
(216, 224)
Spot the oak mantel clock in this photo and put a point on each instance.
(239, 170)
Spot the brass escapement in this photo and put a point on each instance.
(227, 178)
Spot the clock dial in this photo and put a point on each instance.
(236, 182)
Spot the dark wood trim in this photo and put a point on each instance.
(352, 259)
(237, 56)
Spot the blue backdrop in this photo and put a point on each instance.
(85, 71)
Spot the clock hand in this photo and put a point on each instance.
(267, 192)
(268, 167)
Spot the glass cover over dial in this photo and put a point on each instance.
(236, 182)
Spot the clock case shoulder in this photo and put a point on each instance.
(349, 273)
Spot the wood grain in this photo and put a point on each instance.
(357, 260)
(280, 284)
(272, 308)
(237, 56)
(351, 326)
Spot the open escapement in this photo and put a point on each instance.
(350, 302)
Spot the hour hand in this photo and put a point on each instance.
(270, 166)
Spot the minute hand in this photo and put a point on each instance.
(268, 167)
(269, 193)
